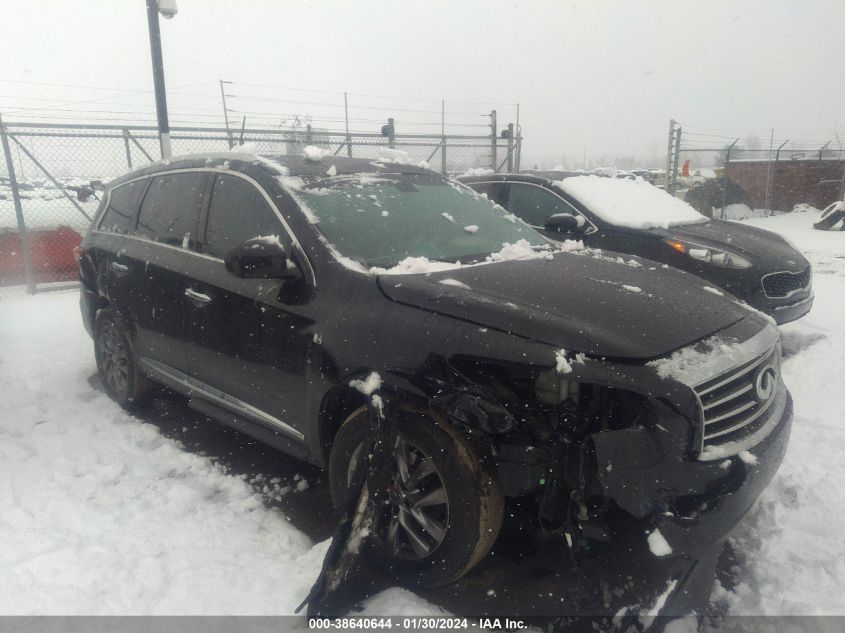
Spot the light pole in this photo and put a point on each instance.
(168, 9)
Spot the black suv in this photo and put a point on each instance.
(278, 294)
(760, 267)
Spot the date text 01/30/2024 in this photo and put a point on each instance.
(415, 623)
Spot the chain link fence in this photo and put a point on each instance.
(52, 176)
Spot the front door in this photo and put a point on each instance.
(242, 340)
(535, 204)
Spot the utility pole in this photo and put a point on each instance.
(494, 159)
(158, 78)
(226, 112)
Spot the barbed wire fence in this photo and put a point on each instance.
(51, 175)
(774, 174)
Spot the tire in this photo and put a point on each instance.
(440, 464)
(830, 216)
(117, 363)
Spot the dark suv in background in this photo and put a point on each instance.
(266, 290)
(760, 267)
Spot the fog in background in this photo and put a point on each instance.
(597, 82)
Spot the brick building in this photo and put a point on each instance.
(816, 182)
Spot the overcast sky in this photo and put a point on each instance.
(600, 79)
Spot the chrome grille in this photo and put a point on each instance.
(783, 284)
(734, 403)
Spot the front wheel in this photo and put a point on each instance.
(443, 510)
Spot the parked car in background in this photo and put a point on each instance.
(268, 291)
(760, 267)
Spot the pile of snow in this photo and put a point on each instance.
(740, 211)
(477, 171)
(630, 203)
(700, 362)
(658, 545)
(312, 152)
(399, 157)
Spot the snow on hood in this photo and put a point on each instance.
(634, 204)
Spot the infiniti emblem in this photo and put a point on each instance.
(764, 383)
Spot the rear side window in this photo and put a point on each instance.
(171, 209)
(238, 212)
(535, 205)
(119, 216)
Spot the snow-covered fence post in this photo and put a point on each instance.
(494, 142)
(510, 147)
(346, 118)
(725, 178)
(673, 185)
(16, 196)
(443, 136)
(127, 148)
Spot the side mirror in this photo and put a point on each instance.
(261, 258)
(564, 223)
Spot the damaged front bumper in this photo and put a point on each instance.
(694, 503)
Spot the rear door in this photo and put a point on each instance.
(242, 340)
(109, 242)
(153, 261)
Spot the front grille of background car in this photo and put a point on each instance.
(779, 285)
(732, 410)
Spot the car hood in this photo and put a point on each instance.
(580, 302)
(765, 250)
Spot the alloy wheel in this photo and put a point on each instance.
(114, 359)
(416, 514)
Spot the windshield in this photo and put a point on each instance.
(382, 220)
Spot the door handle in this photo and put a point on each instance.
(120, 269)
(197, 297)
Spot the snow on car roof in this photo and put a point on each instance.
(630, 203)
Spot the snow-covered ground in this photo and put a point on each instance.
(101, 514)
(791, 545)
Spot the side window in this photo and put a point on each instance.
(119, 216)
(535, 205)
(171, 209)
(239, 212)
(495, 191)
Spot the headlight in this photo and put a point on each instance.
(708, 255)
(552, 390)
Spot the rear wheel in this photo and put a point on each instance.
(116, 361)
(443, 509)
